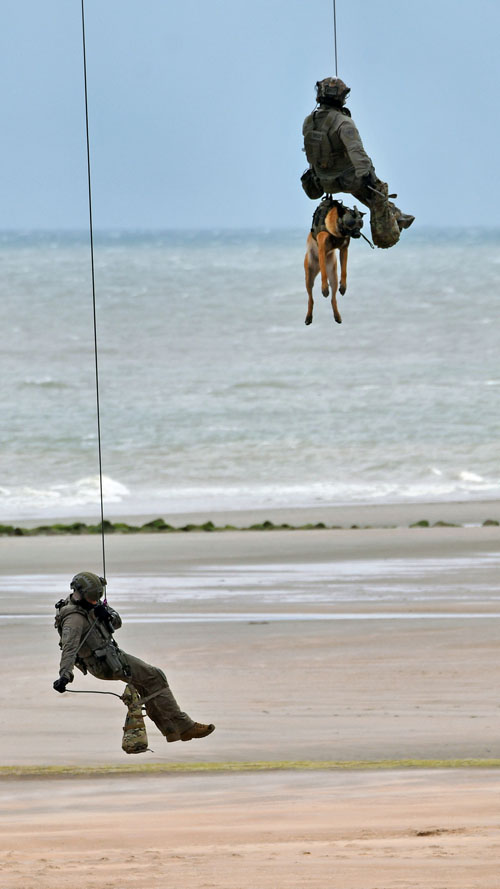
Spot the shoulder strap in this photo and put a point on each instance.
(328, 121)
(87, 634)
(325, 125)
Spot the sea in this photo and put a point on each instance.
(213, 393)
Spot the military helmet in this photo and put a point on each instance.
(88, 585)
(333, 89)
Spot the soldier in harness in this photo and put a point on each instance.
(338, 162)
(86, 626)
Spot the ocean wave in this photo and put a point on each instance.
(263, 384)
(466, 476)
(44, 382)
(26, 501)
(232, 404)
(77, 498)
(212, 498)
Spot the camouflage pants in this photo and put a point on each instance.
(383, 213)
(348, 183)
(163, 709)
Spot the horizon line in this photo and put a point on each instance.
(82, 230)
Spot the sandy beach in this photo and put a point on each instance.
(374, 644)
(301, 521)
(349, 830)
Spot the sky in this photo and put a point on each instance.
(196, 108)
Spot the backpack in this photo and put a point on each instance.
(317, 145)
(135, 738)
(383, 223)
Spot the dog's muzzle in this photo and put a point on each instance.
(352, 228)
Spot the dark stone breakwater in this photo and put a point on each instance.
(159, 526)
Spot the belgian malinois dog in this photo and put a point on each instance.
(333, 226)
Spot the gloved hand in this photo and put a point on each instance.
(61, 683)
(102, 613)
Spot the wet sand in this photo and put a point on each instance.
(391, 667)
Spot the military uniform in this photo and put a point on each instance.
(345, 163)
(86, 641)
(340, 163)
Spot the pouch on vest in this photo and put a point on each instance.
(317, 145)
(311, 184)
(109, 656)
(135, 738)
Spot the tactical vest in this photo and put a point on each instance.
(320, 214)
(97, 647)
(324, 149)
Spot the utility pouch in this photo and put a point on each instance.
(110, 657)
(311, 184)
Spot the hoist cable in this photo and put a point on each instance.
(91, 231)
(335, 34)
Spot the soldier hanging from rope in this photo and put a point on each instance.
(339, 163)
(86, 627)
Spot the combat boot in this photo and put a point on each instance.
(198, 730)
(404, 220)
(173, 736)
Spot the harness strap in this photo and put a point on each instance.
(87, 634)
(149, 697)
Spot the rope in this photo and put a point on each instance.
(335, 34)
(91, 231)
(88, 691)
